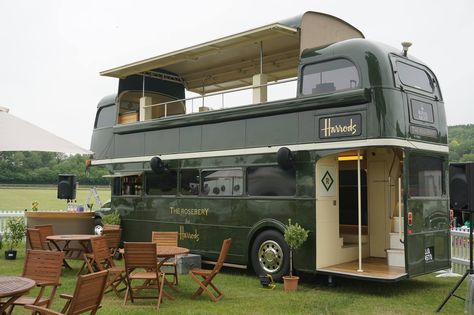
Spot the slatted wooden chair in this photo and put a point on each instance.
(208, 275)
(34, 239)
(100, 259)
(44, 267)
(113, 237)
(86, 298)
(45, 231)
(140, 264)
(167, 239)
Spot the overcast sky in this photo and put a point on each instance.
(51, 52)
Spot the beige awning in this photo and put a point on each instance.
(230, 62)
(17, 134)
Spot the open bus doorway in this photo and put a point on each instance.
(339, 250)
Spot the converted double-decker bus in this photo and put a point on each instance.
(357, 153)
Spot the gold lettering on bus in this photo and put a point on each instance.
(189, 211)
(333, 130)
(194, 236)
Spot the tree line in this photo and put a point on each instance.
(44, 168)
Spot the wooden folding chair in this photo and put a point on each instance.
(87, 296)
(100, 259)
(208, 275)
(34, 239)
(44, 267)
(140, 264)
(167, 239)
(45, 231)
(113, 237)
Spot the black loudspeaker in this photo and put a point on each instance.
(461, 186)
(157, 165)
(285, 158)
(67, 186)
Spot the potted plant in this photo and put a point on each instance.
(111, 218)
(295, 236)
(16, 229)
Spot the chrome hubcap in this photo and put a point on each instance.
(270, 256)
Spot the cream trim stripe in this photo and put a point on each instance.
(295, 147)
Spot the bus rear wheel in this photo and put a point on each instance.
(270, 255)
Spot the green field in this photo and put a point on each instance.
(20, 198)
(244, 295)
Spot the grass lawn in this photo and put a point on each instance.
(20, 198)
(244, 295)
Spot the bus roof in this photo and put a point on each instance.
(231, 61)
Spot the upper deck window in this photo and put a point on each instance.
(329, 76)
(105, 117)
(414, 77)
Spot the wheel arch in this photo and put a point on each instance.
(259, 227)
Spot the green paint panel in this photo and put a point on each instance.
(162, 141)
(273, 130)
(220, 136)
(190, 139)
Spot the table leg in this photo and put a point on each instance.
(63, 249)
(8, 303)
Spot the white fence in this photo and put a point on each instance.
(459, 250)
(5, 215)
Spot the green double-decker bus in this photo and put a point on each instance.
(357, 154)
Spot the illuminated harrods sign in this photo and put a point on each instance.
(340, 126)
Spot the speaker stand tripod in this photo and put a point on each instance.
(469, 271)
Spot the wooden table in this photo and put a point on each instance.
(12, 288)
(165, 253)
(62, 243)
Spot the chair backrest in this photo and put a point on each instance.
(223, 254)
(140, 255)
(88, 293)
(111, 226)
(164, 238)
(34, 239)
(113, 237)
(43, 266)
(45, 231)
(101, 252)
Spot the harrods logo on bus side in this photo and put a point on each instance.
(340, 126)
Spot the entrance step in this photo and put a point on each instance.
(395, 241)
(396, 257)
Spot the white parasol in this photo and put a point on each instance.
(19, 135)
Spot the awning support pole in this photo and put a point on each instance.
(359, 212)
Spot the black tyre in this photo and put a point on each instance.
(270, 254)
(98, 226)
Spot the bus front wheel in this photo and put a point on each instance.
(270, 255)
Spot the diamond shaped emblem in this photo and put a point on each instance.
(327, 180)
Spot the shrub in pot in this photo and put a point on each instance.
(295, 236)
(112, 218)
(16, 229)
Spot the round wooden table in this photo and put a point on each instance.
(12, 288)
(71, 252)
(170, 251)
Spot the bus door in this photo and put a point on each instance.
(426, 221)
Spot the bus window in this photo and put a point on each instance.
(271, 181)
(165, 183)
(426, 177)
(105, 117)
(223, 182)
(414, 77)
(189, 182)
(329, 76)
